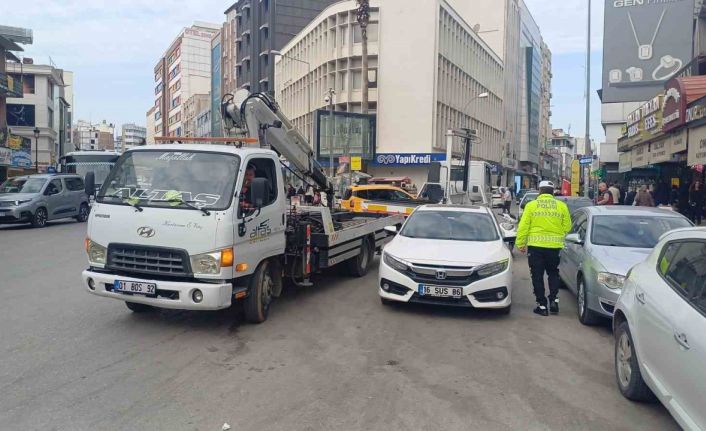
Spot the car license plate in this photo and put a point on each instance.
(137, 287)
(443, 292)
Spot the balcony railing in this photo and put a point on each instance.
(10, 87)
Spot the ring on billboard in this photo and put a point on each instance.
(667, 62)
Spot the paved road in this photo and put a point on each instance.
(329, 358)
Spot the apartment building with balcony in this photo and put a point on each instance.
(183, 70)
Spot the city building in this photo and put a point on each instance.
(149, 118)
(510, 30)
(530, 100)
(221, 76)
(412, 104)
(10, 37)
(562, 147)
(202, 128)
(119, 144)
(545, 101)
(132, 135)
(99, 136)
(41, 109)
(183, 70)
(652, 147)
(262, 26)
(193, 106)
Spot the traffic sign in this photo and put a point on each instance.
(586, 160)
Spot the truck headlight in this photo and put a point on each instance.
(211, 263)
(611, 281)
(393, 263)
(96, 252)
(491, 269)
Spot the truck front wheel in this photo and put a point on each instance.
(261, 290)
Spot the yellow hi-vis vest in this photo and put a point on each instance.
(544, 223)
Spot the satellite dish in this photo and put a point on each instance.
(476, 28)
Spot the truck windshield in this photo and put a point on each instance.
(164, 178)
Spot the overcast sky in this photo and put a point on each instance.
(112, 46)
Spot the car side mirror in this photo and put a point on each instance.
(391, 230)
(89, 183)
(259, 192)
(573, 238)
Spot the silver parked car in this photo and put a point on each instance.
(37, 199)
(659, 327)
(604, 243)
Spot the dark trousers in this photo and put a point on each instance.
(543, 260)
(696, 214)
(506, 206)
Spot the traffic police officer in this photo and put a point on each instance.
(544, 223)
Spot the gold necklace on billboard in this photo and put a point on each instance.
(644, 51)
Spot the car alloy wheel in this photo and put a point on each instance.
(580, 298)
(623, 354)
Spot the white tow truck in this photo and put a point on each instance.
(200, 226)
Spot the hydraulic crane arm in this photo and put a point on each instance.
(259, 115)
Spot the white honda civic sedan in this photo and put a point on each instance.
(449, 255)
(660, 327)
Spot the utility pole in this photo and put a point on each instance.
(331, 130)
(363, 17)
(587, 177)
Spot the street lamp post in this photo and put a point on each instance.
(36, 150)
(308, 81)
(468, 142)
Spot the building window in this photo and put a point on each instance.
(159, 88)
(373, 32)
(50, 117)
(20, 115)
(342, 81)
(357, 79)
(50, 88)
(26, 80)
(157, 115)
(176, 101)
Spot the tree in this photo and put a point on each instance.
(363, 17)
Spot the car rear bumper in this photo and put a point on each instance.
(176, 295)
(479, 294)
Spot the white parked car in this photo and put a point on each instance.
(660, 328)
(496, 199)
(449, 255)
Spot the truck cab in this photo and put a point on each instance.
(172, 225)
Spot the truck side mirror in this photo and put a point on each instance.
(260, 189)
(89, 183)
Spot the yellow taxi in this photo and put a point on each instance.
(378, 198)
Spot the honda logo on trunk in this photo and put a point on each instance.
(441, 275)
(145, 232)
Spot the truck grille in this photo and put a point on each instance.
(148, 260)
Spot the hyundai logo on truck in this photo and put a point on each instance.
(145, 231)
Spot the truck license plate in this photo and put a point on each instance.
(443, 292)
(137, 287)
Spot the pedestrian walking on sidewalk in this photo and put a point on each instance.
(696, 202)
(507, 200)
(644, 198)
(543, 226)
